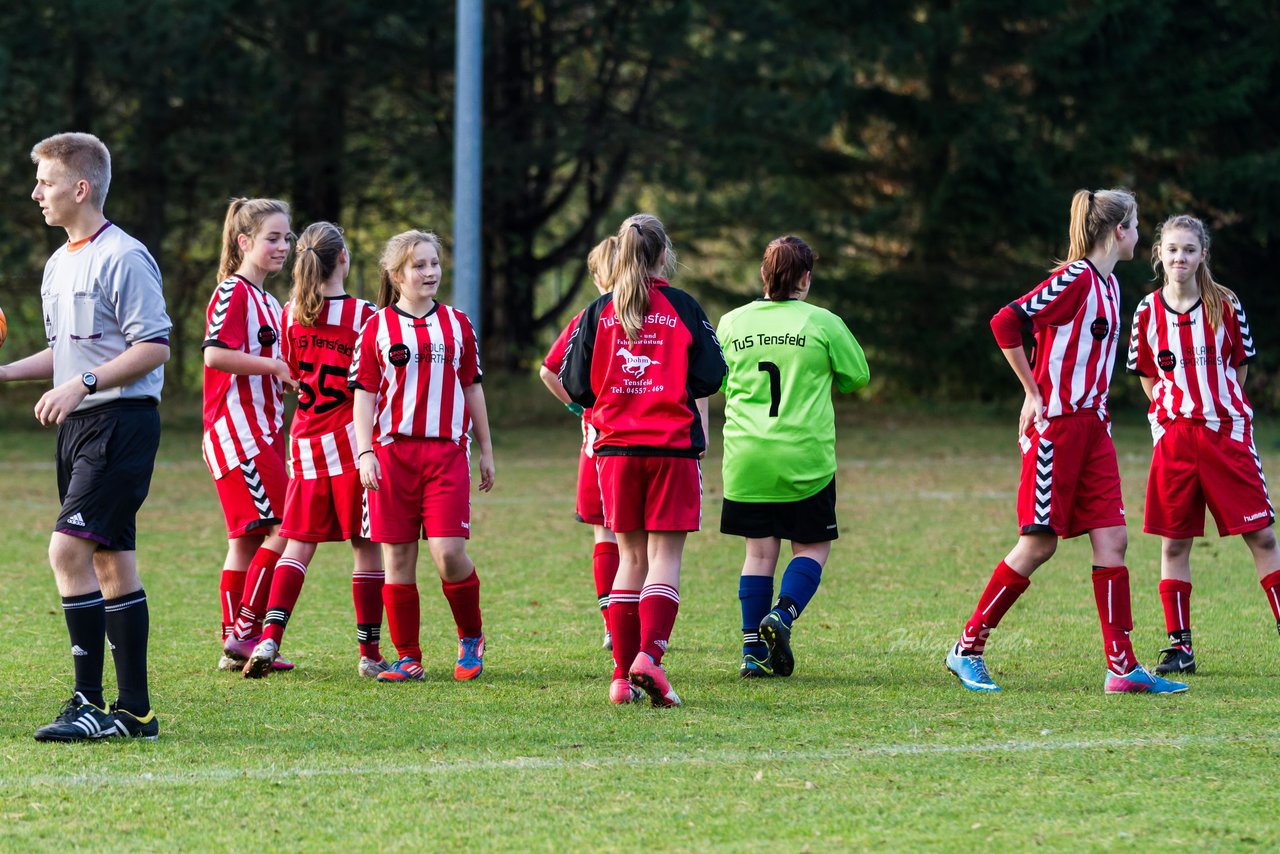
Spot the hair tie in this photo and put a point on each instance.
(306, 249)
(637, 227)
(1091, 197)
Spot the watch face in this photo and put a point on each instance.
(89, 380)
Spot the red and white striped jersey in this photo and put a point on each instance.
(238, 410)
(1194, 366)
(554, 362)
(322, 436)
(1075, 315)
(417, 367)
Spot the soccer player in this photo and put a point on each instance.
(108, 336)
(604, 557)
(324, 499)
(1070, 479)
(780, 446)
(416, 376)
(645, 357)
(244, 377)
(1191, 346)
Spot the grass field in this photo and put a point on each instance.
(871, 745)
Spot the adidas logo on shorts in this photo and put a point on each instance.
(76, 519)
(78, 650)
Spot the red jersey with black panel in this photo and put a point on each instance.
(643, 392)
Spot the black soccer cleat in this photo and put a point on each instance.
(129, 725)
(776, 635)
(79, 720)
(1175, 660)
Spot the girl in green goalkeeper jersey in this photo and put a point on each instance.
(784, 356)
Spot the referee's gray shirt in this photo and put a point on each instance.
(98, 300)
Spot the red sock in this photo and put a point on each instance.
(229, 591)
(604, 566)
(366, 593)
(1111, 592)
(658, 606)
(624, 622)
(1175, 596)
(1271, 584)
(404, 617)
(1002, 591)
(257, 587)
(464, 602)
(286, 584)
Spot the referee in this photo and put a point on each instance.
(108, 336)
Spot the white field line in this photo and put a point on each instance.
(111, 779)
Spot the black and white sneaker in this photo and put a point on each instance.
(1175, 659)
(79, 720)
(129, 725)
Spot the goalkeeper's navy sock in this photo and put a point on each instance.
(755, 592)
(799, 583)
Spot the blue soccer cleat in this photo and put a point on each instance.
(1139, 680)
(470, 658)
(755, 668)
(971, 670)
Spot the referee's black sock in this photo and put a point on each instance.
(86, 626)
(128, 623)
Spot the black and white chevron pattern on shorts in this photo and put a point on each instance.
(1257, 461)
(257, 490)
(1044, 481)
(364, 515)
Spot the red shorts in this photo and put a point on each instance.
(425, 491)
(589, 507)
(1070, 480)
(252, 496)
(1193, 466)
(650, 493)
(324, 509)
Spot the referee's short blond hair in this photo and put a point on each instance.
(83, 156)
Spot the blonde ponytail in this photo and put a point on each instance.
(319, 249)
(1093, 215)
(644, 251)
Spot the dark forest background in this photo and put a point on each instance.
(927, 150)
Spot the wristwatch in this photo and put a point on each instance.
(90, 380)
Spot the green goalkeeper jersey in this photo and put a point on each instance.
(780, 432)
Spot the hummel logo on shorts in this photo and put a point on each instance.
(76, 519)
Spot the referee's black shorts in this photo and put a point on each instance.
(809, 520)
(105, 459)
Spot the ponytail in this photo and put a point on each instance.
(244, 216)
(1093, 215)
(644, 251)
(601, 259)
(319, 249)
(397, 253)
(1214, 296)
